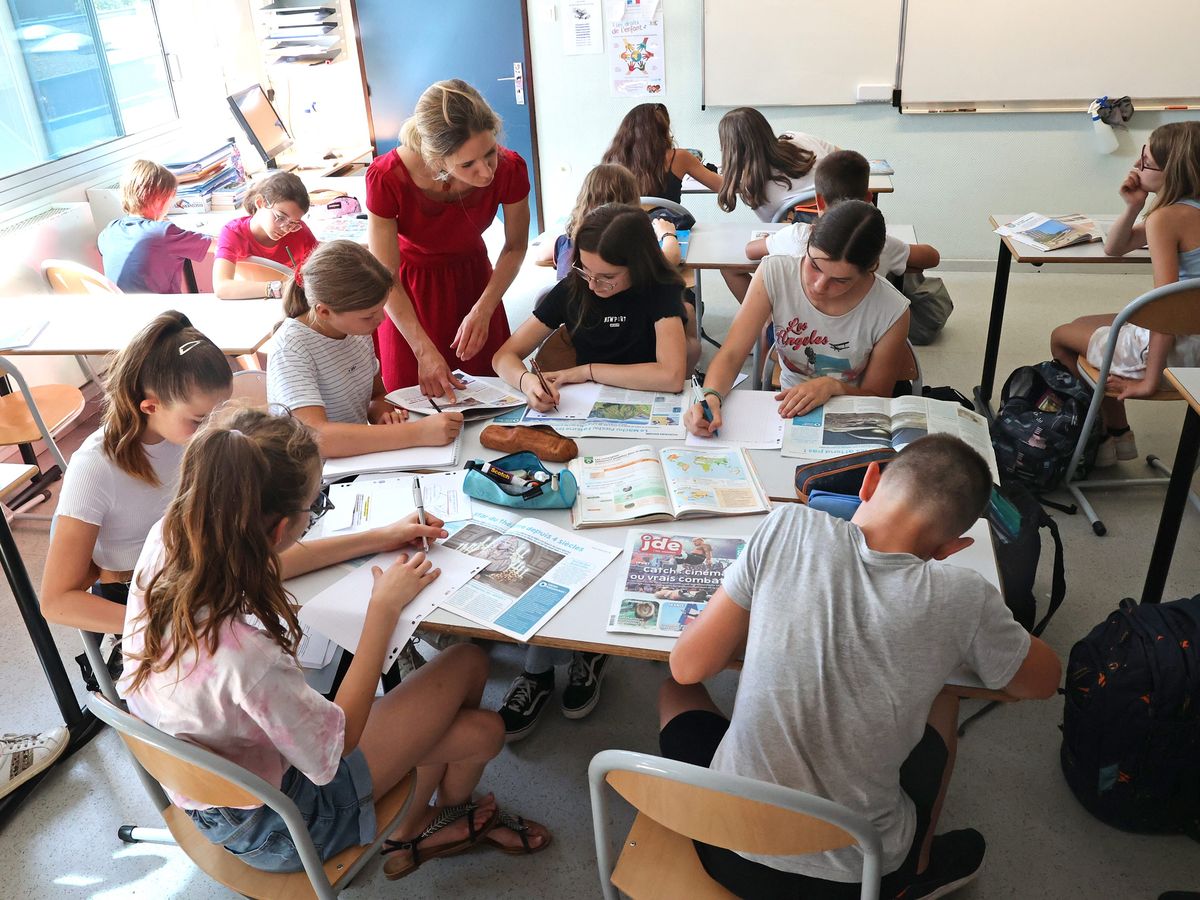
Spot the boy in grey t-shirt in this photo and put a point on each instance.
(851, 630)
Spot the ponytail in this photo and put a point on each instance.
(168, 358)
(295, 303)
(447, 115)
(342, 275)
(240, 477)
(852, 231)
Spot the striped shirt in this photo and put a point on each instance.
(309, 369)
(97, 491)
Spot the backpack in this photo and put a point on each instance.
(1042, 411)
(1131, 718)
(1017, 518)
(929, 306)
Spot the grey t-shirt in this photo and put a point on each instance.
(847, 650)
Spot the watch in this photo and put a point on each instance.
(274, 290)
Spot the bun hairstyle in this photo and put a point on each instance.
(282, 186)
(753, 156)
(852, 231)
(146, 186)
(342, 275)
(168, 358)
(641, 144)
(242, 473)
(1176, 148)
(606, 183)
(448, 113)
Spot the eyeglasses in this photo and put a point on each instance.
(319, 507)
(283, 223)
(594, 280)
(1142, 165)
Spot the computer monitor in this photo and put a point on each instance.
(261, 123)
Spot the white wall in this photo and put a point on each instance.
(952, 169)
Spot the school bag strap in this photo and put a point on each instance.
(1058, 583)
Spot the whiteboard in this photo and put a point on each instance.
(1050, 52)
(797, 52)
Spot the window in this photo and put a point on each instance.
(75, 74)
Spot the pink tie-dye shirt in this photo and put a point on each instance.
(248, 701)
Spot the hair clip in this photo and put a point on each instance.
(184, 348)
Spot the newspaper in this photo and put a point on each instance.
(479, 396)
(1051, 233)
(618, 412)
(849, 424)
(533, 569)
(669, 579)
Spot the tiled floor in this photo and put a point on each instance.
(1007, 782)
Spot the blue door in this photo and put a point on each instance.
(407, 46)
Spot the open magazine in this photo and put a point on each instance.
(849, 424)
(598, 410)
(643, 484)
(1052, 233)
(480, 396)
(668, 580)
(532, 570)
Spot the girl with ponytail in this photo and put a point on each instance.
(250, 487)
(323, 367)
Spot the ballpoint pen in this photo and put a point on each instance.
(698, 397)
(420, 501)
(537, 371)
(434, 405)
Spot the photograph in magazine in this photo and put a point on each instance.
(514, 565)
(668, 580)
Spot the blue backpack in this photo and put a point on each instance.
(1131, 720)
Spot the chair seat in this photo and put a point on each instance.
(662, 864)
(58, 404)
(1093, 375)
(221, 865)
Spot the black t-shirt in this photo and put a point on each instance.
(619, 329)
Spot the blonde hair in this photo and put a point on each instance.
(606, 183)
(342, 275)
(447, 115)
(145, 185)
(274, 188)
(1176, 147)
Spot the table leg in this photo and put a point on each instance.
(983, 393)
(1173, 507)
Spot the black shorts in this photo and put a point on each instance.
(693, 736)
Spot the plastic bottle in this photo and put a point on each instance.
(1106, 138)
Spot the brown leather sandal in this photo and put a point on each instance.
(401, 866)
(523, 828)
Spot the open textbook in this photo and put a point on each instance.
(643, 484)
(479, 398)
(532, 569)
(1052, 233)
(848, 424)
(669, 578)
(598, 410)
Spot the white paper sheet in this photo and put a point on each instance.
(575, 401)
(749, 419)
(370, 502)
(340, 611)
(393, 461)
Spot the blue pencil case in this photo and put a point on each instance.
(480, 487)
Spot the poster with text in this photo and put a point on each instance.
(582, 30)
(636, 58)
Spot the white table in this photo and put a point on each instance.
(350, 228)
(878, 184)
(723, 245)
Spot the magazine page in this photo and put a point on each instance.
(619, 412)
(669, 578)
(843, 425)
(953, 418)
(532, 570)
(718, 482)
(478, 395)
(1047, 233)
(619, 487)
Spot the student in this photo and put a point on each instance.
(249, 488)
(621, 306)
(323, 367)
(645, 146)
(141, 251)
(760, 168)
(847, 649)
(273, 230)
(611, 183)
(1169, 168)
(840, 328)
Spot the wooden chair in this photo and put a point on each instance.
(678, 803)
(65, 276)
(1171, 309)
(35, 413)
(197, 773)
(257, 268)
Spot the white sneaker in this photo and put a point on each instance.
(22, 756)
(1115, 447)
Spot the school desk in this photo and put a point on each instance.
(324, 228)
(878, 184)
(1086, 254)
(1187, 382)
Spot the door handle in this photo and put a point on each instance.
(518, 80)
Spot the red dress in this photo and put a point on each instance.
(444, 266)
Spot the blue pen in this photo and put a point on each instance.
(698, 393)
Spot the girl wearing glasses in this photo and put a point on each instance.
(1169, 168)
(273, 230)
(246, 491)
(840, 328)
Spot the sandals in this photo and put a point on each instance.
(409, 863)
(523, 829)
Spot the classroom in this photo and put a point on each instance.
(412, 415)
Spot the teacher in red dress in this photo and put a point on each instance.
(429, 202)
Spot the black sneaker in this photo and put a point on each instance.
(583, 684)
(524, 703)
(954, 860)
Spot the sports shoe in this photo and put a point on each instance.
(583, 684)
(954, 860)
(22, 756)
(1115, 447)
(524, 703)
(408, 660)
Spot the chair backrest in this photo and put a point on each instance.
(256, 268)
(788, 204)
(1170, 309)
(250, 387)
(65, 276)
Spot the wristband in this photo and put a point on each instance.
(666, 235)
(712, 392)
(521, 380)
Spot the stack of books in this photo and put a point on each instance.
(202, 179)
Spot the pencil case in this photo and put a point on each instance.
(480, 487)
(840, 475)
(539, 439)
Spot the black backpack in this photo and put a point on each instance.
(1042, 411)
(1018, 551)
(1131, 719)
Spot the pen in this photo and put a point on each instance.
(698, 394)
(291, 259)
(537, 370)
(434, 405)
(420, 501)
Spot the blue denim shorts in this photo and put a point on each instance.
(340, 814)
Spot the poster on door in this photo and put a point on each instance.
(636, 58)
